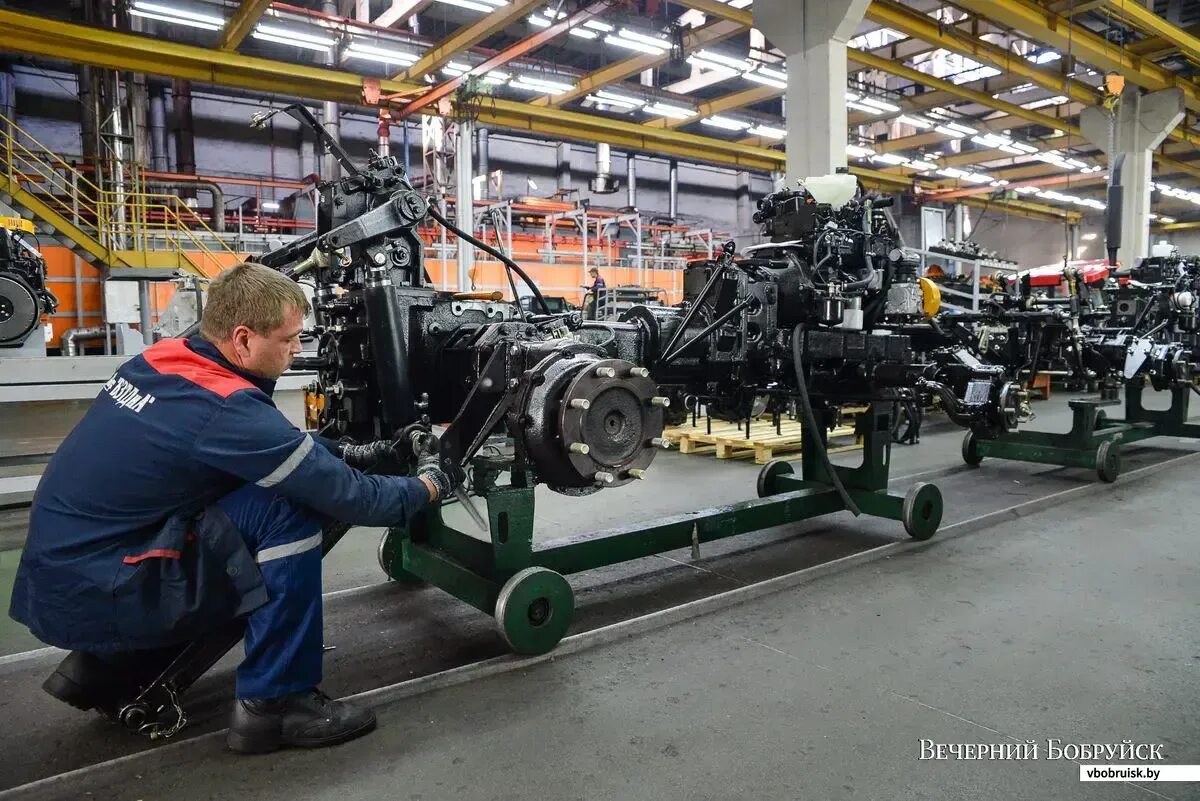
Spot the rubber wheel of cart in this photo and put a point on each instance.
(1108, 461)
(387, 556)
(766, 476)
(534, 610)
(922, 511)
(970, 449)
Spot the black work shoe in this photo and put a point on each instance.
(105, 682)
(309, 719)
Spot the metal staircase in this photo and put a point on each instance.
(111, 224)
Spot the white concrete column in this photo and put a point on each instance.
(1128, 135)
(813, 35)
(464, 206)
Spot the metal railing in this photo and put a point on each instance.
(123, 218)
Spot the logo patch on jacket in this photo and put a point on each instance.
(127, 395)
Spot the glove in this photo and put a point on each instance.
(366, 455)
(429, 467)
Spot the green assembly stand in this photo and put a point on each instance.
(522, 584)
(1095, 440)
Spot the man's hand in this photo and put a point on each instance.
(440, 483)
(366, 455)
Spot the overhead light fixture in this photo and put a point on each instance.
(853, 97)
(858, 151)
(634, 44)
(535, 84)
(767, 80)
(857, 106)
(890, 158)
(953, 172)
(725, 123)
(882, 105)
(270, 205)
(729, 62)
(367, 52)
(289, 36)
(177, 16)
(700, 63)
(612, 97)
(538, 21)
(597, 25)
(1057, 100)
(922, 166)
(1045, 57)
(1167, 220)
(665, 110)
(476, 5)
(947, 131)
(977, 178)
(583, 33)
(768, 132)
(914, 121)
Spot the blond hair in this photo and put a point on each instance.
(251, 295)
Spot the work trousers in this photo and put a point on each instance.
(284, 639)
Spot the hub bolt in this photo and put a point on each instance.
(581, 403)
(604, 478)
(580, 447)
(605, 372)
(660, 442)
(639, 372)
(637, 472)
(660, 400)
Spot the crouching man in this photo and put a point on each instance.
(185, 499)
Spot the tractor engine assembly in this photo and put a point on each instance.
(24, 298)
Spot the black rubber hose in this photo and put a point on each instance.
(491, 251)
(808, 421)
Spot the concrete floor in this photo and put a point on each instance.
(1079, 624)
(789, 689)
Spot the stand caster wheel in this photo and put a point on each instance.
(534, 610)
(922, 511)
(133, 717)
(388, 558)
(970, 449)
(1108, 461)
(766, 476)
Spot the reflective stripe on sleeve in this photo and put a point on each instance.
(288, 465)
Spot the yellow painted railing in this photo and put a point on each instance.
(121, 218)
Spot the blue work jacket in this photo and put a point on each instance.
(126, 548)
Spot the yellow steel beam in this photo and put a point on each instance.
(620, 70)
(239, 26)
(1152, 24)
(1046, 26)
(713, 8)
(1183, 226)
(398, 10)
(718, 105)
(468, 36)
(123, 51)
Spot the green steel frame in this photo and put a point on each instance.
(521, 583)
(1095, 440)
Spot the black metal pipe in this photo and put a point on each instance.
(694, 309)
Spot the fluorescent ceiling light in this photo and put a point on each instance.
(534, 82)
(658, 41)
(889, 158)
(287, 36)
(597, 25)
(770, 72)
(1166, 219)
(739, 64)
(582, 33)
(270, 205)
(882, 105)
(977, 178)
(368, 52)
(700, 63)
(630, 44)
(854, 104)
(967, 129)
(1046, 56)
(952, 172)
(725, 123)
(859, 152)
(914, 121)
(178, 16)
(612, 97)
(922, 166)
(764, 79)
(613, 103)
(1057, 100)
(947, 131)
(469, 4)
(665, 110)
(540, 22)
(768, 131)
(853, 96)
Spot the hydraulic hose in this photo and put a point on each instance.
(491, 251)
(949, 402)
(809, 422)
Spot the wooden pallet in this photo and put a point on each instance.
(729, 440)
